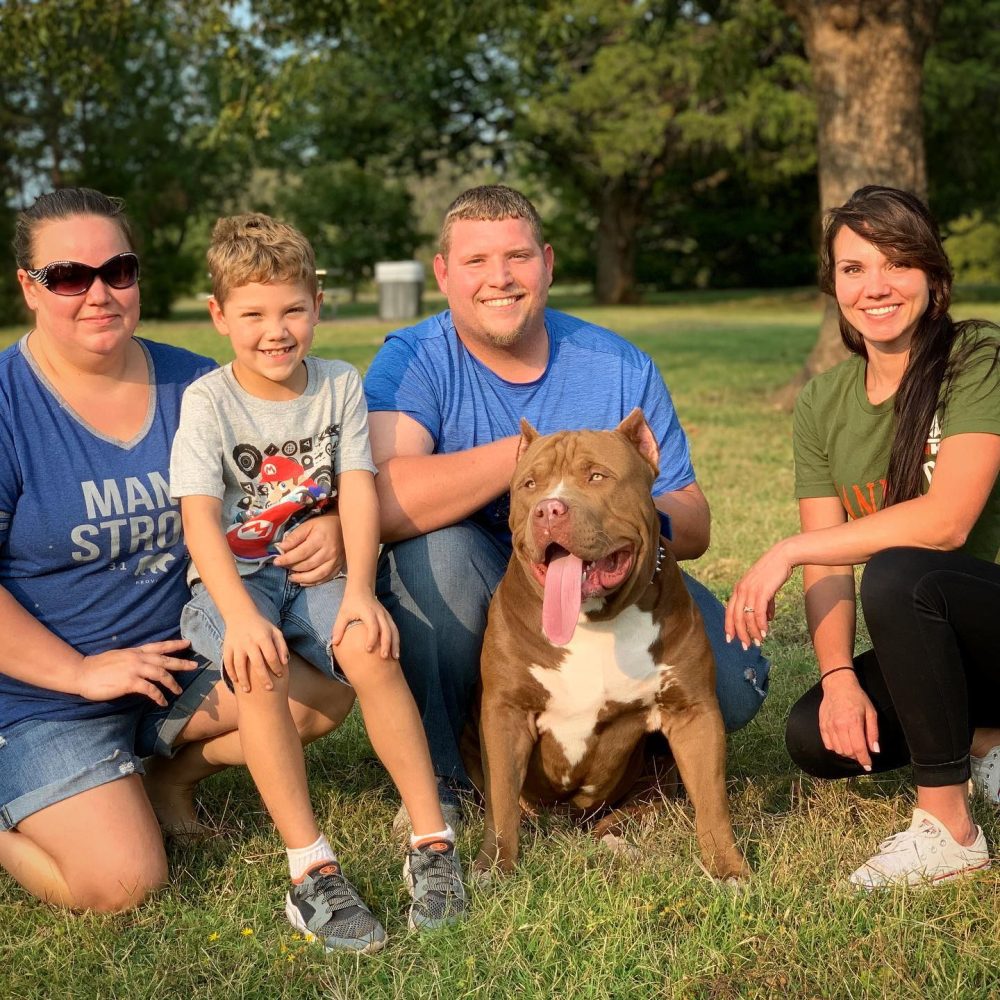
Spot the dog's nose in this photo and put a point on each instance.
(550, 510)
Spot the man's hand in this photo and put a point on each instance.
(313, 552)
(137, 670)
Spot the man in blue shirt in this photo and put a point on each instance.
(445, 399)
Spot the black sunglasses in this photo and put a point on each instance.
(69, 277)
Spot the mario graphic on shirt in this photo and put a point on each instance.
(291, 496)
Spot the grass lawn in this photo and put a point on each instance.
(574, 921)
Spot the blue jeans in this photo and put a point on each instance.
(305, 616)
(49, 759)
(438, 586)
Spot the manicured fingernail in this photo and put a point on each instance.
(763, 634)
(875, 747)
(756, 642)
(745, 646)
(867, 767)
(729, 638)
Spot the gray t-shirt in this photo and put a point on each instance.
(272, 464)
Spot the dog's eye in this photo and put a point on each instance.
(529, 483)
(596, 477)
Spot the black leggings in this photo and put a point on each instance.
(933, 675)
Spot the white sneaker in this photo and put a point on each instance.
(925, 854)
(986, 776)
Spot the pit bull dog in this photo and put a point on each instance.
(592, 643)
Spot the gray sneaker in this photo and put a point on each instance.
(433, 876)
(327, 908)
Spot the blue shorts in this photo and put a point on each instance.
(305, 616)
(44, 761)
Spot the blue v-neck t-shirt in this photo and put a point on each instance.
(90, 541)
(593, 380)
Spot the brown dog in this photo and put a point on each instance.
(592, 643)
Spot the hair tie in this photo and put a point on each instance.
(835, 670)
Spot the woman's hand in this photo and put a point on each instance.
(313, 552)
(137, 670)
(380, 629)
(752, 605)
(255, 646)
(847, 720)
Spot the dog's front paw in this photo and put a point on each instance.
(621, 847)
(482, 876)
(488, 867)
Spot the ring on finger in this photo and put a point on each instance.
(748, 610)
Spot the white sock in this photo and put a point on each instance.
(301, 859)
(428, 838)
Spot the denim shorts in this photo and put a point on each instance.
(305, 616)
(47, 760)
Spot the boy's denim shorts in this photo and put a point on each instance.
(47, 760)
(305, 616)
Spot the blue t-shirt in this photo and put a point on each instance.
(90, 541)
(593, 380)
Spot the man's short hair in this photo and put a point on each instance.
(254, 248)
(489, 203)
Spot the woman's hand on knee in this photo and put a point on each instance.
(147, 670)
(848, 722)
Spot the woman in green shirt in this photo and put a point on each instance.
(897, 452)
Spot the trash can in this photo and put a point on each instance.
(400, 288)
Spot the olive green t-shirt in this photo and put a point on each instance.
(842, 441)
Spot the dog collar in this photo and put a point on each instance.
(661, 554)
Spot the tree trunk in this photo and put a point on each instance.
(867, 62)
(618, 223)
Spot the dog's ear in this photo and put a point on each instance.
(639, 434)
(528, 436)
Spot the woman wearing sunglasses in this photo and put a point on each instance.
(93, 676)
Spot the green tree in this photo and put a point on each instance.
(400, 85)
(961, 98)
(870, 133)
(157, 102)
(623, 106)
(375, 96)
(353, 218)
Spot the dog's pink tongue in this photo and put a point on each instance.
(563, 596)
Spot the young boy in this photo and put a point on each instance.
(264, 442)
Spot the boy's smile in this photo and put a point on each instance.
(271, 329)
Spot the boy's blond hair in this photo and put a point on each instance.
(489, 203)
(254, 248)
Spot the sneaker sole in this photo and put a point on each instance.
(357, 945)
(928, 883)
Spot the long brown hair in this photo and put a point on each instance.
(900, 226)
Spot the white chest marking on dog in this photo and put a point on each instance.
(605, 661)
